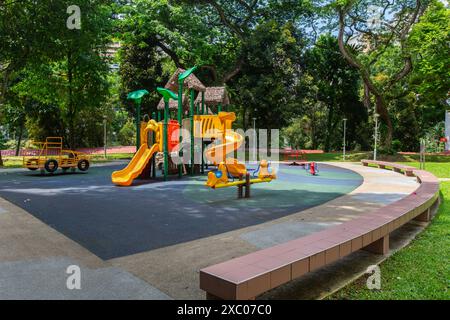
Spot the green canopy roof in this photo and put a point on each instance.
(167, 94)
(137, 95)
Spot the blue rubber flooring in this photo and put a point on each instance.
(113, 221)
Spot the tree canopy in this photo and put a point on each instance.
(300, 66)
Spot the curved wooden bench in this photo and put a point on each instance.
(407, 170)
(250, 275)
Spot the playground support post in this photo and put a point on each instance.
(138, 124)
(165, 142)
(203, 103)
(203, 112)
(180, 120)
(153, 173)
(191, 118)
(136, 96)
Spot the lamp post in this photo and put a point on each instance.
(345, 128)
(375, 115)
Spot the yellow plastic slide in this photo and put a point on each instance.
(126, 176)
(140, 160)
(230, 141)
(216, 154)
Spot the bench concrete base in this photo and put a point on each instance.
(380, 246)
(424, 216)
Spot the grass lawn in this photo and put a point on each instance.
(337, 156)
(422, 269)
(439, 169)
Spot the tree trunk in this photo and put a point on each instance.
(1, 159)
(313, 134)
(19, 137)
(384, 115)
(71, 108)
(380, 103)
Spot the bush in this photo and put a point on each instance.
(2, 141)
(396, 146)
(127, 135)
(383, 150)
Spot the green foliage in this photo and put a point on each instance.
(406, 118)
(141, 67)
(265, 87)
(432, 137)
(2, 141)
(60, 81)
(338, 89)
(396, 145)
(430, 79)
(277, 62)
(297, 134)
(429, 42)
(127, 135)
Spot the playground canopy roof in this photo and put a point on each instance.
(173, 104)
(214, 96)
(191, 82)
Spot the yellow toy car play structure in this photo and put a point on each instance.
(51, 156)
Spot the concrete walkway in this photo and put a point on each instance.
(34, 257)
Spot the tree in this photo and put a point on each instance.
(338, 87)
(50, 64)
(391, 29)
(212, 34)
(430, 79)
(265, 87)
(142, 67)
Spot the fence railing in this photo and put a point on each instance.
(128, 149)
(91, 151)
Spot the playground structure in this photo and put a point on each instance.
(52, 156)
(158, 144)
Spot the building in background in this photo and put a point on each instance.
(111, 55)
